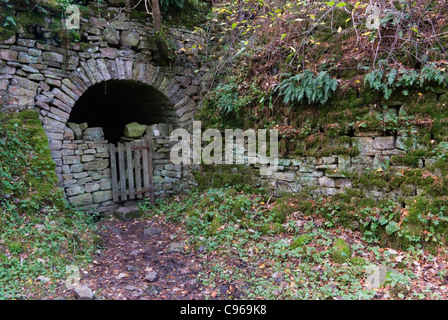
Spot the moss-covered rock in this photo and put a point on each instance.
(340, 251)
(300, 241)
(357, 261)
(275, 228)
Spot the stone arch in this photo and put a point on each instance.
(58, 100)
(95, 71)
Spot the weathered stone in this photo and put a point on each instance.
(96, 165)
(177, 247)
(72, 160)
(111, 36)
(134, 130)
(152, 231)
(53, 56)
(129, 38)
(24, 83)
(152, 276)
(102, 196)
(26, 58)
(105, 184)
(83, 293)
(384, 143)
(76, 130)
(82, 199)
(92, 187)
(8, 55)
(127, 213)
(326, 182)
(285, 176)
(75, 190)
(87, 158)
(95, 133)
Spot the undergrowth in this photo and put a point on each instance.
(39, 236)
(283, 249)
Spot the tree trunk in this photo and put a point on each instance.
(162, 46)
(156, 15)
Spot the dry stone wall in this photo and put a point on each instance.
(41, 71)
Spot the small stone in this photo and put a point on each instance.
(129, 38)
(93, 134)
(177, 247)
(127, 213)
(130, 288)
(152, 231)
(121, 275)
(152, 276)
(43, 279)
(131, 267)
(84, 293)
(76, 130)
(134, 130)
(53, 56)
(83, 126)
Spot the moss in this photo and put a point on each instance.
(233, 179)
(40, 179)
(405, 160)
(275, 228)
(300, 241)
(357, 261)
(217, 182)
(340, 251)
(213, 228)
(6, 33)
(97, 241)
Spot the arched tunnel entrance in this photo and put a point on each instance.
(113, 104)
(101, 167)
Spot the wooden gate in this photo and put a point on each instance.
(132, 170)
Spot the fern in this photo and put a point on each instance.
(402, 79)
(305, 85)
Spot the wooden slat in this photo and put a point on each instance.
(148, 140)
(113, 168)
(138, 172)
(140, 147)
(145, 171)
(122, 171)
(130, 171)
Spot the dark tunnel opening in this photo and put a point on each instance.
(115, 103)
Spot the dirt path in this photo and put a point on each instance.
(142, 260)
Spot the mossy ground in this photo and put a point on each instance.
(39, 235)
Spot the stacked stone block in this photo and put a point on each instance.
(85, 171)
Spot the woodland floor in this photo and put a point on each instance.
(135, 248)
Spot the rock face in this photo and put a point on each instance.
(134, 130)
